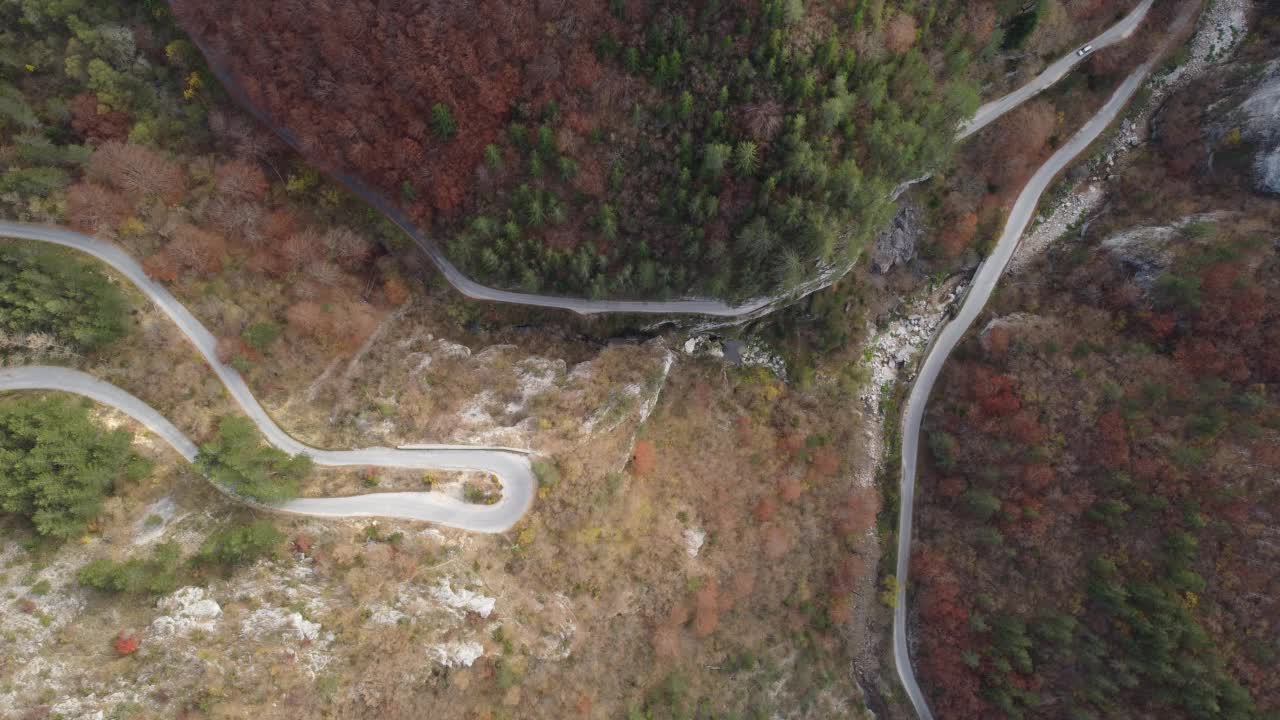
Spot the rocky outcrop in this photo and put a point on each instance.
(1143, 251)
(1261, 112)
(896, 244)
(188, 610)
(1146, 251)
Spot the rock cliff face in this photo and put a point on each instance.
(896, 245)
(1262, 127)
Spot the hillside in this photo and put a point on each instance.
(1097, 530)
(633, 149)
(711, 512)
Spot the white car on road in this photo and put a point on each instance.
(1084, 50)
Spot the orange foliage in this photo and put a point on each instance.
(303, 544)
(959, 233)
(1113, 440)
(228, 348)
(765, 509)
(301, 248)
(1016, 146)
(95, 122)
(126, 643)
(993, 391)
(847, 573)
(1037, 477)
(857, 512)
(982, 20)
(396, 292)
(279, 224)
(361, 105)
(790, 489)
(790, 443)
(94, 208)
(354, 322)
(996, 341)
(706, 603)
(666, 642)
(826, 462)
(161, 266)
(742, 584)
(1025, 427)
(840, 608)
(308, 317)
(643, 459)
(952, 487)
(900, 33)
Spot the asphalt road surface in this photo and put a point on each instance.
(949, 336)
(1116, 33)
(512, 468)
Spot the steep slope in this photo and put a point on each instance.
(627, 149)
(1097, 530)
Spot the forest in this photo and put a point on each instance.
(52, 301)
(1096, 539)
(57, 465)
(110, 123)
(624, 148)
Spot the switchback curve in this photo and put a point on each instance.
(512, 468)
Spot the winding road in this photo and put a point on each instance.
(1119, 32)
(512, 468)
(949, 336)
(686, 306)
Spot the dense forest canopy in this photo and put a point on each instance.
(47, 293)
(1099, 501)
(57, 465)
(619, 148)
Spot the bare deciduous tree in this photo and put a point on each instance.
(134, 168)
(96, 209)
(241, 180)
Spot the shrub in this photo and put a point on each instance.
(547, 473)
(240, 545)
(156, 575)
(261, 334)
(478, 495)
(239, 461)
(126, 643)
